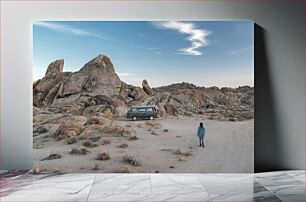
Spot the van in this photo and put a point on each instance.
(142, 112)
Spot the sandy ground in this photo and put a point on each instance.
(229, 147)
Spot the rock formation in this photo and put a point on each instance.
(68, 101)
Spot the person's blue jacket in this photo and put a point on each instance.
(201, 132)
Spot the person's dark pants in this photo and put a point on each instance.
(201, 139)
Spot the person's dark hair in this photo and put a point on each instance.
(201, 124)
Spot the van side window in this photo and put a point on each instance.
(142, 109)
(150, 109)
(134, 110)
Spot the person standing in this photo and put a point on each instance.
(201, 133)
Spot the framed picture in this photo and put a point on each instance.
(143, 96)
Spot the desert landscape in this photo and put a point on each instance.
(80, 124)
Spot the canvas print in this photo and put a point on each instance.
(143, 96)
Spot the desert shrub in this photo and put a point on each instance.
(80, 151)
(72, 140)
(154, 133)
(41, 130)
(231, 119)
(182, 153)
(89, 144)
(130, 160)
(166, 130)
(52, 156)
(123, 145)
(81, 137)
(103, 156)
(171, 166)
(133, 138)
(106, 141)
(95, 138)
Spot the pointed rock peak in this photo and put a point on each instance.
(101, 61)
(145, 82)
(56, 66)
(147, 88)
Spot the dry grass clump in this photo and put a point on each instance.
(38, 170)
(123, 145)
(123, 169)
(72, 140)
(81, 151)
(52, 156)
(166, 149)
(182, 153)
(133, 138)
(130, 160)
(89, 144)
(103, 156)
(141, 125)
(96, 167)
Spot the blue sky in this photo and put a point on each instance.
(206, 53)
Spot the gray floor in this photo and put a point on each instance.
(272, 186)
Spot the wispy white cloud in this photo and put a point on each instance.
(197, 37)
(59, 27)
(240, 50)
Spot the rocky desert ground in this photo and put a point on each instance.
(79, 124)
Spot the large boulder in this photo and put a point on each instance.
(138, 94)
(97, 77)
(71, 126)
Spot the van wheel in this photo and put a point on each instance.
(134, 118)
(151, 117)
